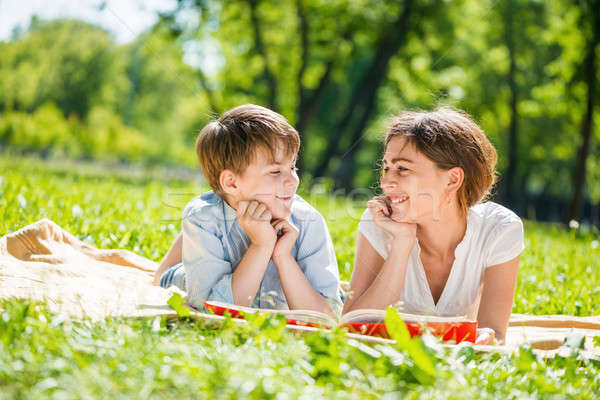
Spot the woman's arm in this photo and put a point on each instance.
(367, 264)
(377, 283)
(499, 283)
(173, 257)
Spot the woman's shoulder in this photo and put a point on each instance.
(493, 215)
(501, 231)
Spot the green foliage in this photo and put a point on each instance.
(424, 365)
(66, 89)
(70, 63)
(176, 303)
(559, 271)
(43, 355)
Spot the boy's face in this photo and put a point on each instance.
(271, 182)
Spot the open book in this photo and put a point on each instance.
(364, 322)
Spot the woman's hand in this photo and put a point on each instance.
(391, 217)
(485, 336)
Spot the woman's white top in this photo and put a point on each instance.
(494, 235)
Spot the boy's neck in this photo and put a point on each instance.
(230, 201)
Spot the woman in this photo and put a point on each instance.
(428, 243)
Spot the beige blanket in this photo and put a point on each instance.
(44, 262)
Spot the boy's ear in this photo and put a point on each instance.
(456, 177)
(228, 181)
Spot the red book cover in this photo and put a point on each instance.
(364, 322)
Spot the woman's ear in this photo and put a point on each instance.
(456, 177)
(228, 181)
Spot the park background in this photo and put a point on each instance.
(130, 84)
(100, 105)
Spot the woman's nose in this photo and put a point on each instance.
(387, 182)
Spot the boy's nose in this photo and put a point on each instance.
(291, 180)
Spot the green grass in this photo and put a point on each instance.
(47, 356)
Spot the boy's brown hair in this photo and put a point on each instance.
(232, 141)
(450, 139)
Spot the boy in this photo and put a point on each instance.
(252, 241)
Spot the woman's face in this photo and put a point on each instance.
(414, 186)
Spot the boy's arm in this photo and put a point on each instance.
(249, 273)
(254, 218)
(298, 291)
(172, 257)
(207, 272)
(312, 281)
(209, 276)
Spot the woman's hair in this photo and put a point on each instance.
(450, 139)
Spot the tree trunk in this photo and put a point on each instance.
(364, 95)
(346, 171)
(575, 205)
(513, 145)
(308, 100)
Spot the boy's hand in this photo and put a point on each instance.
(255, 219)
(392, 217)
(285, 243)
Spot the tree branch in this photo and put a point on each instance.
(260, 49)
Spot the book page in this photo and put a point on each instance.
(307, 316)
(364, 316)
(369, 315)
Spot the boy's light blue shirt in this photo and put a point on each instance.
(214, 244)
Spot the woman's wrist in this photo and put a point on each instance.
(403, 240)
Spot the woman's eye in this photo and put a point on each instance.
(275, 172)
(399, 169)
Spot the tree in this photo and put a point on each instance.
(70, 63)
(590, 23)
(363, 99)
(300, 53)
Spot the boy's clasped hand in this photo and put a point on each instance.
(255, 219)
